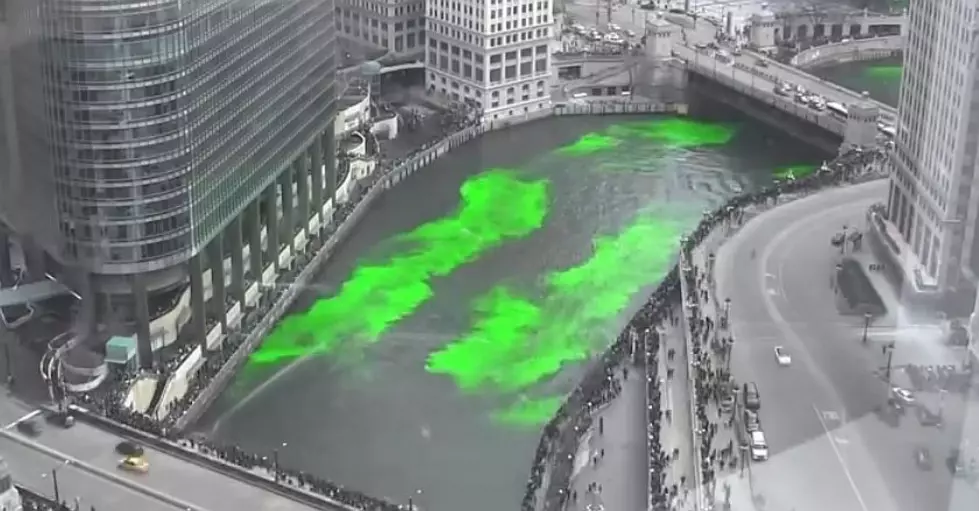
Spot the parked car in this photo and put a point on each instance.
(752, 399)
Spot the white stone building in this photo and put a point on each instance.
(495, 53)
(397, 26)
(933, 200)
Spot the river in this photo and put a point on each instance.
(881, 78)
(445, 331)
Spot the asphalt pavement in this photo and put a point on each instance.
(87, 468)
(829, 446)
(614, 460)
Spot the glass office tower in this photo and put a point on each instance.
(140, 137)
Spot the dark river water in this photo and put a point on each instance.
(442, 397)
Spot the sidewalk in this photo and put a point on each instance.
(611, 457)
(711, 307)
(676, 401)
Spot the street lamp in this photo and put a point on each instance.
(866, 325)
(275, 461)
(411, 500)
(54, 479)
(888, 349)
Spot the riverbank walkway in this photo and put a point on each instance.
(610, 464)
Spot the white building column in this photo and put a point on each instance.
(861, 125)
(763, 25)
(660, 37)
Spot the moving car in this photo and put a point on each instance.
(761, 63)
(922, 457)
(903, 395)
(136, 464)
(783, 358)
(129, 449)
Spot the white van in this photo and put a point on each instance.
(759, 448)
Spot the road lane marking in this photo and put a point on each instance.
(839, 457)
(26, 417)
(830, 416)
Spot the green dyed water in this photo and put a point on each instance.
(380, 293)
(882, 79)
(516, 343)
(455, 319)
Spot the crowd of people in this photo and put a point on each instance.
(33, 501)
(109, 401)
(713, 383)
(560, 437)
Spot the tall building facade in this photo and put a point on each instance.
(139, 138)
(395, 26)
(934, 195)
(492, 53)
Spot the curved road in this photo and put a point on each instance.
(171, 484)
(829, 449)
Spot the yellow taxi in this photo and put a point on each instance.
(134, 464)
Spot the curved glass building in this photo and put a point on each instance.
(139, 134)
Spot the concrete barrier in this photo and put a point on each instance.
(98, 472)
(874, 48)
(174, 449)
(695, 427)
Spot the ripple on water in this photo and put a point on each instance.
(503, 331)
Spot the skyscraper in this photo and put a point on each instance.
(495, 53)
(142, 141)
(933, 200)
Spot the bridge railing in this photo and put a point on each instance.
(887, 112)
(742, 80)
(822, 54)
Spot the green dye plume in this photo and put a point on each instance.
(497, 206)
(516, 343)
(794, 171)
(676, 133)
(589, 143)
(885, 72)
(529, 411)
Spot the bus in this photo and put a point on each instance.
(837, 110)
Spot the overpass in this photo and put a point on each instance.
(755, 75)
(84, 460)
(850, 51)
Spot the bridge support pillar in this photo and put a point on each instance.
(272, 226)
(215, 261)
(144, 343)
(255, 251)
(763, 27)
(660, 35)
(316, 162)
(861, 125)
(237, 265)
(288, 217)
(198, 317)
(6, 267)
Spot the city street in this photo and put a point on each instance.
(829, 447)
(179, 480)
